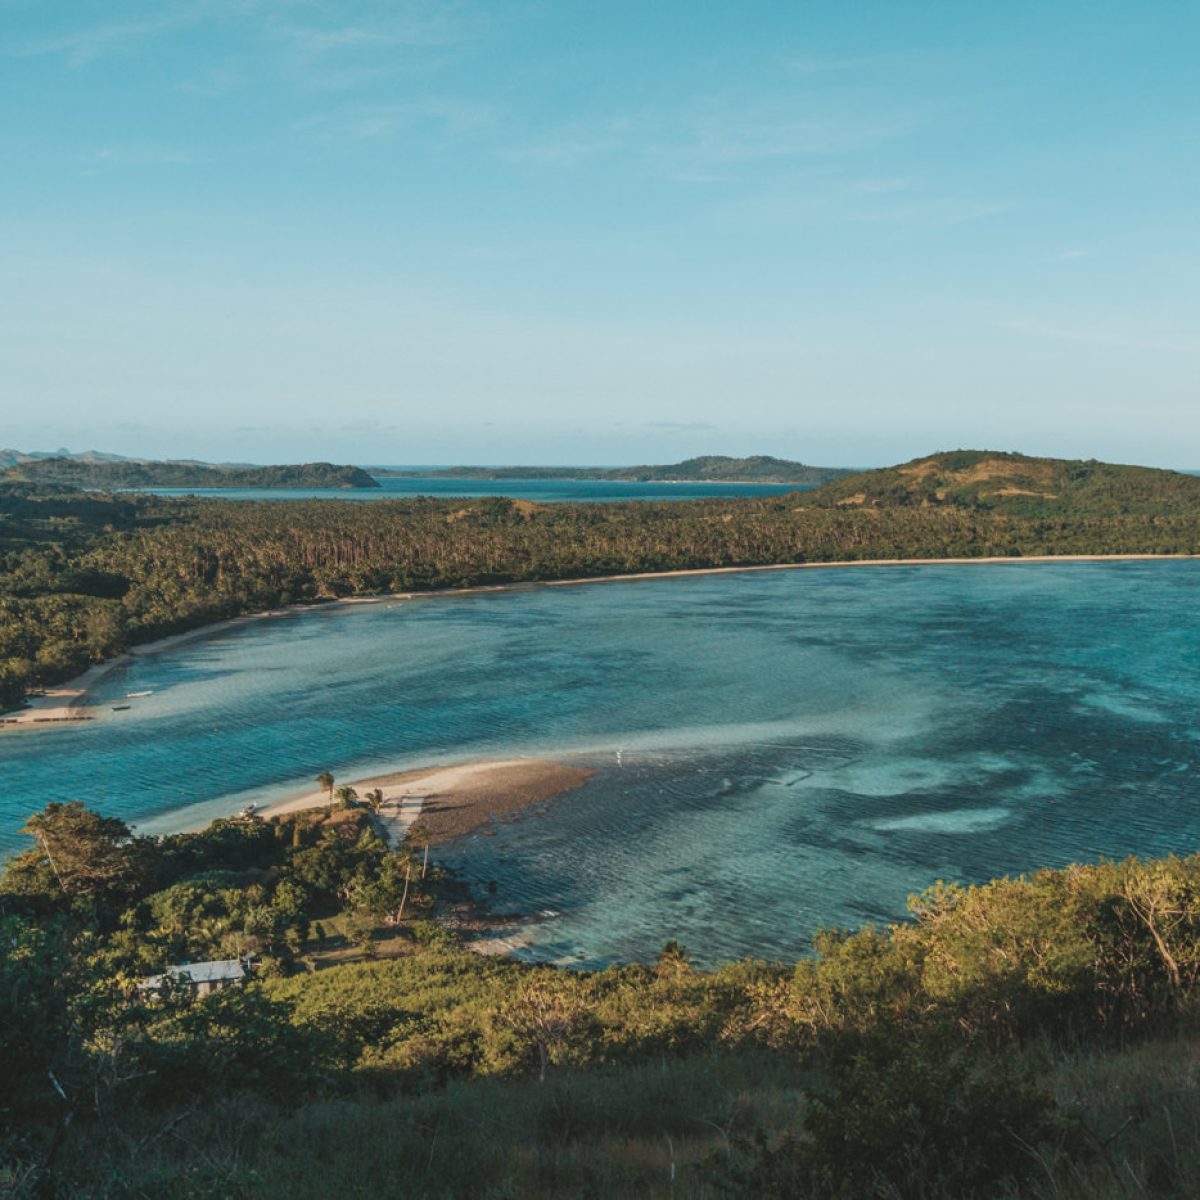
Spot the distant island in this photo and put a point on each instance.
(105, 474)
(708, 468)
(12, 458)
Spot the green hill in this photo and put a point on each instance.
(105, 476)
(1015, 484)
(713, 468)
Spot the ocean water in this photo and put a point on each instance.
(547, 491)
(777, 751)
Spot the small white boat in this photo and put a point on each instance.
(135, 695)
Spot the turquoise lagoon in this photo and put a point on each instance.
(777, 751)
(545, 491)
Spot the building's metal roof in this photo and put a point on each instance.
(218, 971)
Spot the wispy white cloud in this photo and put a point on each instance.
(1105, 338)
(832, 192)
(453, 117)
(368, 426)
(780, 158)
(85, 44)
(816, 64)
(138, 156)
(726, 136)
(220, 80)
(367, 43)
(305, 32)
(574, 145)
(931, 209)
(872, 186)
(711, 139)
(310, 43)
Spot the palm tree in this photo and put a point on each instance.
(346, 796)
(419, 835)
(325, 779)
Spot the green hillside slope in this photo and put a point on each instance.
(1016, 484)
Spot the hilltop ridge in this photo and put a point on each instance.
(1017, 484)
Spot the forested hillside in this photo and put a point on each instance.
(1033, 1037)
(83, 577)
(76, 472)
(1016, 484)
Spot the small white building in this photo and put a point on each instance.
(202, 977)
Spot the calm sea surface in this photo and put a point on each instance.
(546, 490)
(777, 751)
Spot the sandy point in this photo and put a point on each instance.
(453, 800)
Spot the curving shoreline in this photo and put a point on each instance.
(67, 702)
(63, 702)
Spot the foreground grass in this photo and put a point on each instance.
(1139, 1110)
(635, 1132)
(654, 1131)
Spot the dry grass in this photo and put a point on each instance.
(1140, 1113)
(640, 1132)
(1016, 491)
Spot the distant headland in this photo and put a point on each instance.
(708, 468)
(1018, 485)
(106, 472)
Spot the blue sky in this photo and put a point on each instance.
(560, 231)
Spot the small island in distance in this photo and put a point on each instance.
(108, 472)
(709, 468)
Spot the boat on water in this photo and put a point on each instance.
(122, 707)
(135, 695)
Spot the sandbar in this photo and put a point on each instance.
(450, 801)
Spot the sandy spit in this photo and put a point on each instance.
(455, 800)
